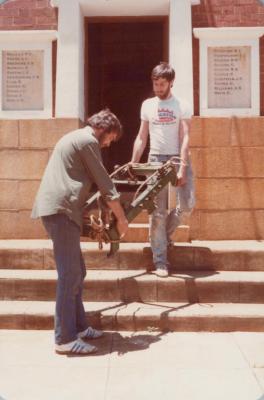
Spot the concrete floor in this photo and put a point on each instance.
(138, 366)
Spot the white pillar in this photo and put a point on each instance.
(180, 48)
(70, 61)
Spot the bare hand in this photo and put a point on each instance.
(122, 227)
(181, 178)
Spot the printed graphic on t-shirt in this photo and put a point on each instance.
(165, 116)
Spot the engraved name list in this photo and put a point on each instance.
(22, 80)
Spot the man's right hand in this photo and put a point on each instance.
(122, 222)
(122, 226)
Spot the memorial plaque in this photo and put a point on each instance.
(229, 77)
(22, 80)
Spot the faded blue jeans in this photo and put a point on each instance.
(163, 223)
(69, 314)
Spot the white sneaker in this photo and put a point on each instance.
(77, 347)
(162, 272)
(90, 333)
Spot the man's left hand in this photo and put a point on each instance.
(181, 177)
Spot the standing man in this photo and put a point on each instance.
(74, 165)
(166, 119)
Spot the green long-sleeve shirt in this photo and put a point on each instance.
(75, 164)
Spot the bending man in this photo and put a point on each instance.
(74, 165)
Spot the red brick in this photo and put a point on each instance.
(21, 10)
(260, 10)
(6, 22)
(42, 3)
(24, 12)
(220, 2)
(25, 21)
(45, 27)
(40, 12)
(229, 10)
(246, 2)
(46, 20)
(9, 12)
(20, 4)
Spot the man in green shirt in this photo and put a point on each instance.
(74, 165)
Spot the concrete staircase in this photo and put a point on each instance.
(214, 286)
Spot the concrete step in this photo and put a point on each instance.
(130, 286)
(139, 316)
(143, 218)
(196, 255)
(139, 232)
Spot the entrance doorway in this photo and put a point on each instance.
(120, 57)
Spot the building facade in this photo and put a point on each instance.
(64, 60)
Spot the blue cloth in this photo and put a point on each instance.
(163, 223)
(70, 316)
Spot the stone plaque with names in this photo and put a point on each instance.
(22, 80)
(229, 77)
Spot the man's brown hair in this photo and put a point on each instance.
(107, 122)
(163, 70)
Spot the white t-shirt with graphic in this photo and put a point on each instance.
(164, 119)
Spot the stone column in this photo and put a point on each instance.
(70, 60)
(180, 47)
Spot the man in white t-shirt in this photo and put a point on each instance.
(166, 119)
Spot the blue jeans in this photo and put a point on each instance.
(163, 223)
(69, 315)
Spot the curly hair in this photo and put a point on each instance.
(106, 121)
(163, 70)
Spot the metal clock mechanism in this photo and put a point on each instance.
(148, 179)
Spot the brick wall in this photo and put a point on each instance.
(27, 14)
(226, 13)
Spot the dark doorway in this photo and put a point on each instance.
(120, 57)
